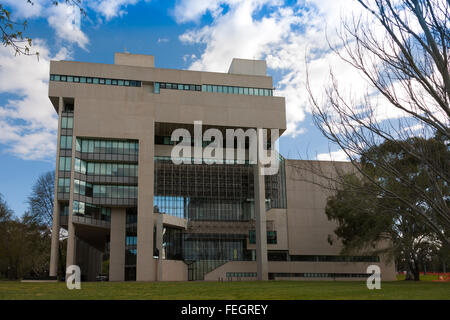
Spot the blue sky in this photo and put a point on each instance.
(184, 34)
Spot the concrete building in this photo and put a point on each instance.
(122, 199)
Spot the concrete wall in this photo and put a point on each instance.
(387, 272)
(174, 270)
(246, 66)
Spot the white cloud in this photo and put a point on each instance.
(111, 8)
(66, 20)
(284, 35)
(193, 10)
(333, 156)
(28, 121)
(162, 40)
(23, 9)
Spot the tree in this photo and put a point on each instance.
(407, 64)
(24, 245)
(12, 31)
(5, 217)
(40, 201)
(367, 216)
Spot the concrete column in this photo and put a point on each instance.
(71, 243)
(159, 245)
(54, 252)
(117, 245)
(260, 217)
(145, 264)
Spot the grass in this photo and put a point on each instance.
(269, 290)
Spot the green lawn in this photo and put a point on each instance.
(227, 290)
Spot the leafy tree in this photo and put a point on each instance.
(5, 217)
(24, 245)
(366, 215)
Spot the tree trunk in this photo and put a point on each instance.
(413, 271)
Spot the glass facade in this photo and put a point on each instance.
(122, 147)
(212, 192)
(106, 168)
(81, 208)
(95, 80)
(104, 191)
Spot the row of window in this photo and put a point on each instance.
(106, 169)
(241, 274)
(317, 275)
(107, 146)
(320, 258)
(176, 86)
(214, 88)
(165, 85)
(94, 80)
(237, 90)
(65, 142)
(104, 191)
(87, 209)
(271, 237)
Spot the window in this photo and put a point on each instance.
(271, 237)
(156, 87)
(63, 185)
(66, 142)
(65, 163)
(66, 122)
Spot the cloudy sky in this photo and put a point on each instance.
(186, 34)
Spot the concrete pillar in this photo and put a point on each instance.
(159, 245)
(260, 217)
(54, 252)
(145, 264)
(71, 243)
(117, 245)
